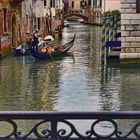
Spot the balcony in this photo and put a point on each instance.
(71, 125)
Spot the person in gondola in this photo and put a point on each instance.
(49, 46)
(36, 35)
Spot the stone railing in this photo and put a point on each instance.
(69, 125)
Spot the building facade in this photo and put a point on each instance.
(44, 15)
(130, 28)
(32, 17)
(108, 5)
(83, 7)
(19, 18)
(97, 10)
(74, 6)
(10, 15)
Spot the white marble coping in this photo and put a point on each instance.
(129, 55)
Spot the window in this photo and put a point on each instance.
(95, 3)
(45, 3)
(5, 19)
(138, 6)
(100, 3)
(89, 2)
(38, 19)
(52, 4)
(72, 4)
(27, 21)
(85, 3)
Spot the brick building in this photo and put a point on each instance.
(130, 28)
(18, 19)
(10, 13)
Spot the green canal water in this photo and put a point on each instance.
(76, 82)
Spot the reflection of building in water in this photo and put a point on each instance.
(94, 48)
(33, 88)
(130, 89)
(45, 84)
(124, 89)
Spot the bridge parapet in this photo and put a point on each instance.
(76, 15)
(71, 125)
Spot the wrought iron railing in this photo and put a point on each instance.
(69, 125)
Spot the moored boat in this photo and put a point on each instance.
(46, 53)
(22, 50)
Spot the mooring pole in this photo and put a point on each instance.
(111, 28)
(115, 28)
(103, 40)
(107, 33)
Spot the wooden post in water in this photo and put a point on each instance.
(103, 40)
(111, 28)
(107, 34)
(115, 28)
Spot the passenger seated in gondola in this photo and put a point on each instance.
(47, 49)
(48, 40)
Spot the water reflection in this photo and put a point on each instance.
(130, 88)
(28, 87)
(76, 82)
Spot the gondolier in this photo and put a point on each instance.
(36, 35)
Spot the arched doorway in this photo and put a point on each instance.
(14, 41)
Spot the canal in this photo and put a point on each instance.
(76, 82)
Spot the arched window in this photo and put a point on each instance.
(138, 6)
(51, 3)
(27, 21)
(72, 4)
(38, 20)
(5, 19)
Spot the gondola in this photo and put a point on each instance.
(22, 50)
(58, 51)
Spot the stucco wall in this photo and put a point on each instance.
(111, 5)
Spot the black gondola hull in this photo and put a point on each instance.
(38, 55)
